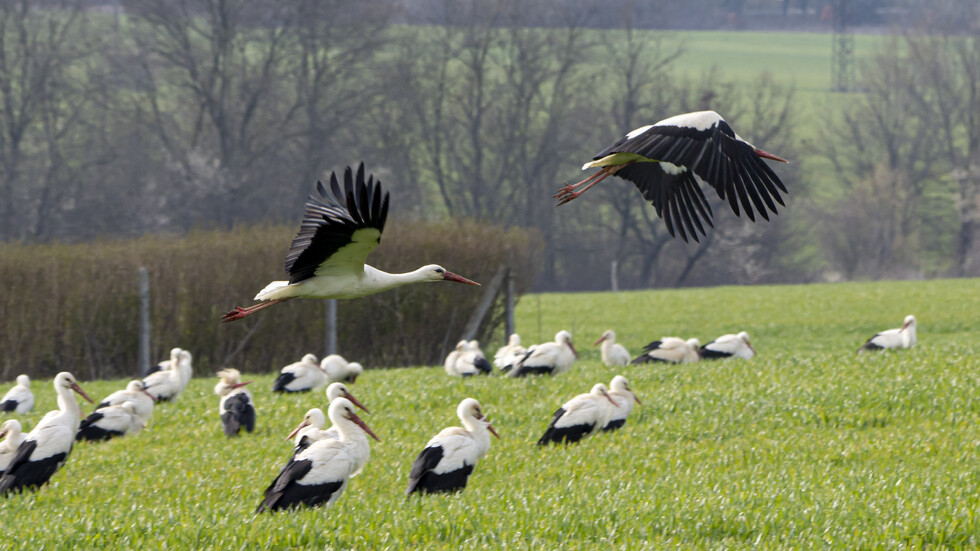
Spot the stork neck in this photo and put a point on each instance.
(384, 280)
(68, 404)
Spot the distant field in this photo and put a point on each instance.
(808, 445)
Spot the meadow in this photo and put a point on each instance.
(807, 445)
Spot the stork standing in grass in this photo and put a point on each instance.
(548, 358)
(12, 436)
(729, 346)
(622, 394)
(302, 376)
(903, 337)
(449, 457)
(326, 258)
(47, 446)
(581, 416)
(668, 161)
(670, 350)
(319, 474)
(613, 353)
(236, 408)
(18, 399)
(311, 429)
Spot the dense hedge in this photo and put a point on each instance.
(75, 307)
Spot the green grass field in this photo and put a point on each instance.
(807, 445)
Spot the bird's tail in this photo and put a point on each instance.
(267, 293)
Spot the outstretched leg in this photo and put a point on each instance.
(239, 312)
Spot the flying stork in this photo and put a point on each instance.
(448, 459)
(319, 474)
(236, 408)
(18, 399)
(326, 258)
(903, 337)
(729, 346)
(613, 353)
(668, 160)
(46, 447)
(580, 417)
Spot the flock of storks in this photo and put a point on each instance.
(667, 161)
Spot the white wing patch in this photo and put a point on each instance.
(639, 131)
(700, 120)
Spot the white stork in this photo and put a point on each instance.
(185, 368)
(166, 364)
(619, 390)
(668, 160)
(449, 365)
(18, 399)
(136, 393)
(46, 447)
(164, 385)
(326, 258)
(548, 358)
(236, 408)
(670, 350)
(340, 370)
(729, 346)
(302, 376)
(613, 353)
(12, 436)
(580, 416)
(110, 422)
(319, 474)
(311, 429)
(903, 337)
(508, 354)
(469, 360)
(449, 457)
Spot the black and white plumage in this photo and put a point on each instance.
(173, 362)
(340, 370)
(467, 360)
(302, 376)
(12, 436)
(550, 358)
(449, 457)
(110, 422)
(319, 474)
(165, 385)
(729, 346)
(903, 337)
(326, 258)
(668, 161)
(508, 354)
(622, 394)
(136, 393)
(670, 350)
(579, 417)
(613, 353)
(311, 429)
(236, 408)
(18, 399)
(47, 446)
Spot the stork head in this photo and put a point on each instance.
(745, 338)
(695, 345)
(310, 359)
(342, 410)
(11, 426)
(607, 335)
(435, 272)
(24, 380)
(471, 409)
(339, 390)
(185, 357)
(514, 340)
(564, 337)
(620, 384)
(66, 381)
(600, 390)
(354, 371)
(313, 417)
(138, 386)
(909, 322)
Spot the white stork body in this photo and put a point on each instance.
(903, 337)
(47, 446)
(136, 393)
(185, 368)
(302, 376)
(449, 365)
(668, 161)
(319, 474)
(613, 353)
(508, 354)
(449, 457)
(164, 385)
(12, 436)
(110, 422)
(729, 346)
(18, 399)
(579, 417)
(167, 364)
(236, 408)
(548, 358)
(671, 350)
(469, 360)
(340, 370)
(619, 390)
(326, 258)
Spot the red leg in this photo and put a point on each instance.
(239, 312)
(567, 193)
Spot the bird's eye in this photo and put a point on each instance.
(439, 270)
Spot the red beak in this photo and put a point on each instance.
(354, 401)
(78, 389)
(490, 427)
(637, 398)
(152, 397)
(357, 420)
(613, 402)
(297, 429)
(767, 155)
(573, 348)
(459, 279)
(596, 343)
(239, 385)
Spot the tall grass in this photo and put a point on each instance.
(808, 445)
(75, 307)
